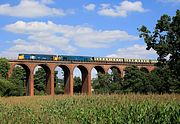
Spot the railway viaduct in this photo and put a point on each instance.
(68, 68)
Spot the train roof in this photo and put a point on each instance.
(36, 54)
(82, 56)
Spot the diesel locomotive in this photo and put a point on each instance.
(81, 58)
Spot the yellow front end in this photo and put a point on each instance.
(55, 58)
(21, 57)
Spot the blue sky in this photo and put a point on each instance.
(79, 27)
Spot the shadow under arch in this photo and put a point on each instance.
(47, 77)
(27, 77)
(84, 72)
(67, 77)
(144, 69)
(99, 69)
(115, 68)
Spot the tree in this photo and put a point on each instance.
(137, 81)
(58, 84)
(40, 82)
(4, 67)
(116, 77)
(101, 84)
(163, 81)
(165, 40)
(108, 83)
(77, 84)
(6, 87)
(18, 78)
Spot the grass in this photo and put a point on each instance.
(101, 109)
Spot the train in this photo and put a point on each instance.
(81, 58)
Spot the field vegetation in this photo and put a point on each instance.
(101, 109)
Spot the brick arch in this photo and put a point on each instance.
(145, 69)
(149, 68)
(115, 67)
(98, 69)
(86, 78)
(67, 73)
(48, 71)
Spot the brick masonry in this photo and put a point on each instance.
(68, 68)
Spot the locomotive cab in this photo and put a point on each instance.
(21, 57)
(55, 58)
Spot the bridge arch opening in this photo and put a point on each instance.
(42, 80)
(144, 69)
(80, 74)
(62, 80)
(115, 73)
(96, 72)
(20, 77)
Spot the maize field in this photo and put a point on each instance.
(95, 109)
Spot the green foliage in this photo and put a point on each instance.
(6, 87)
(163, 81)
(77, 84)
(59, 86)
(4, 67)
(108, 83)
(18, 78)
(165, 40)
(137, 81)
(40, 82)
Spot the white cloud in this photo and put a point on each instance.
(30, 8)
(21, 46)
(170, 1)
(90, 7)
(122, 9)
(61, 35)
(135, 51)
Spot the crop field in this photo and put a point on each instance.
(100, 109)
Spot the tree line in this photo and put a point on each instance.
(164, 39)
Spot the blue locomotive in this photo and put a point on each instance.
(37, 57)
(54, 57)
(81, 58)
(76, 58)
